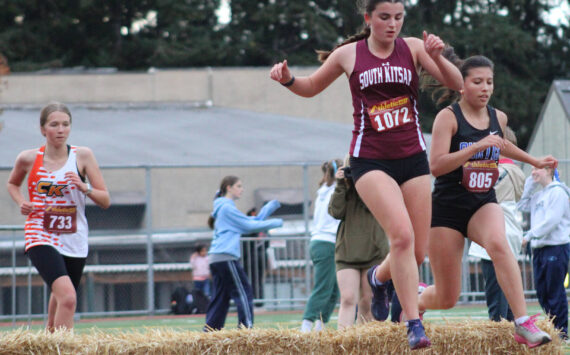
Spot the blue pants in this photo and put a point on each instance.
(496, 300)
(230, 282)
(550, 265)
(203, 286)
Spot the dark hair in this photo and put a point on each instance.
(199, 247)
(227, 182)
(51, 108)
(443, 94)
(365, 6)
(329, 169)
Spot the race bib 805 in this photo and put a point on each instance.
(480, 175)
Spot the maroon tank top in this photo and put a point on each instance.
(385, 102)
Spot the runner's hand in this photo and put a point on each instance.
(547, 161)
(74, 179)
(433, 45)
(26, 208)
(280, 72)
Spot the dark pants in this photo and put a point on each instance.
(230, 282)
(496, 300)
(203, 286)
(550, 265)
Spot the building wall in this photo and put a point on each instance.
(181, 197)
(242, 88)
(552, 137)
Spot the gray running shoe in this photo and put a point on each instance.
(528, 333)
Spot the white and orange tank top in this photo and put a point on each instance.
(58, 218)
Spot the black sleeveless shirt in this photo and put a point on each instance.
(465, 136)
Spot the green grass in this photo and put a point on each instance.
(263, 319)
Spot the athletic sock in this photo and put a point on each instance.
(521, 320)
(318, 325)
(375, 280)
(307, 325)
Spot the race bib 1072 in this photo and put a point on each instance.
(391, 113)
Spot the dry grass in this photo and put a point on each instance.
(467, 337)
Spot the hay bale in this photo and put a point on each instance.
(468, 337)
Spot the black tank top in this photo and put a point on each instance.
(465, 136)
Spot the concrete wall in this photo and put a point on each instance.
(242, 88)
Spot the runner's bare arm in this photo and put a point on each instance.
(89, 168)
(23, 164)
(441, 160)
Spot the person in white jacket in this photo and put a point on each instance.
(547, 200)
(325, 293)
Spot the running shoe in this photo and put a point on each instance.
(528, 333)
(380, 302)
(417, 337)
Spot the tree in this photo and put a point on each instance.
(528, 53)
(265, 31)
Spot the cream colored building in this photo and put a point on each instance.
(551, 133)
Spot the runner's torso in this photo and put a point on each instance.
(385, 103)
(58, 218)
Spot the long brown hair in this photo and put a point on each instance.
(227, 182)
(443, 94)
(329, 169)
(366, 6)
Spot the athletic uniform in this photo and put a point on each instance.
(386, 134)
(56, 230)
(459, 194)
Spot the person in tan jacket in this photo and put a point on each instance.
(360, 244)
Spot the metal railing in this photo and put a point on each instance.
(277, 265)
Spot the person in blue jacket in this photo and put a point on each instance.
(229, 278)
(547, 200)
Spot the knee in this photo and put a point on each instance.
(68, 301)
(348, 298)
(402, 238)
(497, 250)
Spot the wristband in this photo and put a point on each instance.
(290, 82)
(89, 189)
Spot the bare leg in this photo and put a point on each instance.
(384, 199)
(348, 284)
(364, 312)
(417, 198)
(445, 252)
(64, 303)
(51, 313)
(487, 228)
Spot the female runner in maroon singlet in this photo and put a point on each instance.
(388, 159)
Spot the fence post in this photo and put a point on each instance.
(149, 245)
(13, 279)
(306, 219)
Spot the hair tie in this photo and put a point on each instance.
(556, 176)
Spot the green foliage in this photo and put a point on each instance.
(528, 53)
